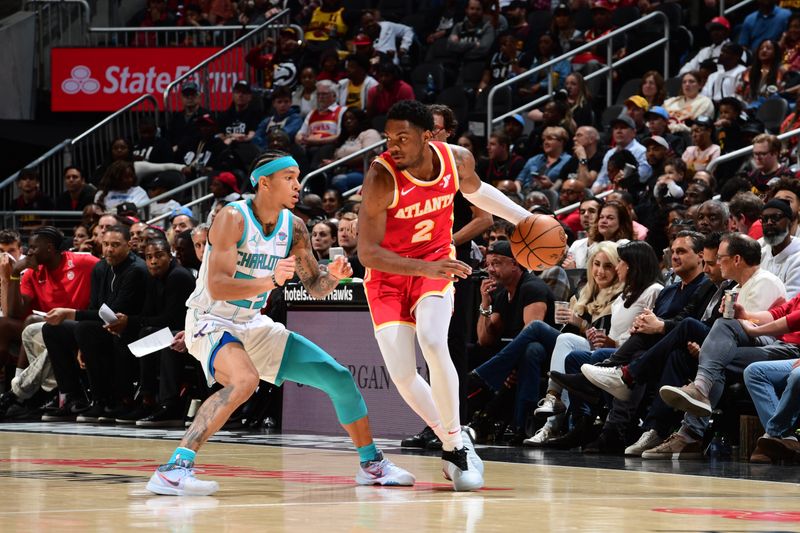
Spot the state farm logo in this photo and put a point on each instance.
(80, 82)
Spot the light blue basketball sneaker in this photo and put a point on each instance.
(175, 480)
(383, 472)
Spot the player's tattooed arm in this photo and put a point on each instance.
(319, 284)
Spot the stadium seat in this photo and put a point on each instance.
(771, 113)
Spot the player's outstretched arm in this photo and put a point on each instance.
(378, 194)
(318, 284)
(481, 194)
(225, 232)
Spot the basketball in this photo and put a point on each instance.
(538, 242)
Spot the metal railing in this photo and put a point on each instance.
(727, 10)
(360, 153)
(747, 150)
(189, 36)
(220, 72)
(193, 203)
(572, 207)
(26, 221)
(58, 23)
(605, 70)
(88, 150)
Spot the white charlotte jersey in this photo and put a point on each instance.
(258, 254)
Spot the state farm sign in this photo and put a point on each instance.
(106, 79)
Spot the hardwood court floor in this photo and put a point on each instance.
(62, 482)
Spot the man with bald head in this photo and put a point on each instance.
(712, 215)
(572, 191)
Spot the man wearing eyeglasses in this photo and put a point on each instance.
(781, 251)
(766, 151)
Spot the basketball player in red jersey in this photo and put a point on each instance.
(405, 241)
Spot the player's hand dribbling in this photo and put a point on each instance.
(340, 268)
(284, 270)
(446, 269)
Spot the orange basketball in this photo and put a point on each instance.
(538, 242)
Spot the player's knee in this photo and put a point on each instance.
(244, 385)
(432, 342)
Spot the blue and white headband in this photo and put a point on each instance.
(272, 167)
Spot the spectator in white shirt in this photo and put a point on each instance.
(385, 35)
(718, 29)
(722, 83)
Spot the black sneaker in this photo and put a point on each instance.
(420, 440)
(578, 384)
(164, 416)
(133, 414)
(67, 412)
(93, 413)
(7, 400)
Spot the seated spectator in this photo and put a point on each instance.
(718, 30)
(155, 14)
(225, 189)
(323, 236)
(689, 105)
(386, 35)
(183, 123)
(239, 122)
(657, 120)
(579, 100)
(722, 83)
(30, 198)
(593, 60)
(696, 193)
(284, 116)
(624, 198)
(636, 106)
(304, 96)
(780, 253)
(390, 89)
(702, 151)
(45, 279)
(120, 150)
(613, 224)
(281, 65)
(768, 22)
(183, 246)
(764, 78)
(167, 287)
(355, 136)
(578, 254)
(624, 135)
(501, 164)
(138, 237)
(587, 153)
(163, 182)
(712, 216)
(200, 239)
(548, 169)
(193, 18)
(327, 27)
(117, 281)
(572, 191)
(653, 89)
(790, 45)
(182, 220)
(791, 122)
(511, 300)
(536, 86)
(766, 154)
(118, 185)
(658, 151)
(332, 202)
(787, 189)
(202, 153)
(562, 27)
(77, 193)
(354, 88)
(322, 127)
(80, 234)
(554, 114)
(473, 37)
(746, 210)
(729, 133)
(504, 64)
(347, 237)
(151, 147)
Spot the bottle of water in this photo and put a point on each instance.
(714, 448)
(430, 86)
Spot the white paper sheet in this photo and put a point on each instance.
(152, 343)
(106, 314)
(40, 313)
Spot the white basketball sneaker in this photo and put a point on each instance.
(176, 480)
(383, 472)
(463, 466)
(468, 437)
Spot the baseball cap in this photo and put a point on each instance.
(516, 4)
(703, 121)
(562, 9)
(602, 4)
(362, 39)
(638, 101)
(242, 85)
(183, 210)
(228, 179)
(127, 208)
(656, 139)
(658, 111)
(500, 248)
(719, 21)
(518, 118)
(289, 31)
(190, 86)
(625, 119)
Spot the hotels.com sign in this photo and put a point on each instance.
(106, 79)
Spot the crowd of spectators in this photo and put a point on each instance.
(661, 231)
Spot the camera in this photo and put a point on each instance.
(560, 95)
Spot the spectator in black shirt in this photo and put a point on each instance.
(77, 193)
(168, 285)
(203, 152)
(588, 154)
(502, 164)
(238, 124)
(30, 198)
(182, 124)
(117, 281)
(151, 147)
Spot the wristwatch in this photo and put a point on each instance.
(485, 312)
(584, 162)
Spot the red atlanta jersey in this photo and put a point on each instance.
(419, 220)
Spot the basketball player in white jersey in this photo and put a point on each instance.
(405, 241)
(253, 247)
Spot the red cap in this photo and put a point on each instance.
(228, 179)
(362, 40)
(719, 21)
(603, 4)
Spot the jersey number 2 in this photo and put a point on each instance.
(423, 231)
